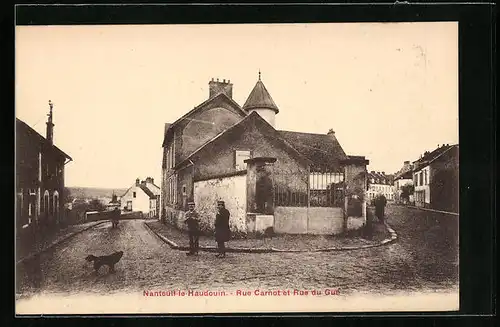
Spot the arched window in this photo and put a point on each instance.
(46, 203)
(55, 206)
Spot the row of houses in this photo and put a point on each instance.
(292, 182)
(380, 184)
(432, 180)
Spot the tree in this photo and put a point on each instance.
(406, 191)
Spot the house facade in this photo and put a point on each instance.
(39, 178)
(435, 177)
(142, 196)
(403, 178)
(380, 184)
(289, 181)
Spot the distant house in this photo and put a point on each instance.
(293, 182)
(402, 178)
(39, 177)
(435, 176)
(380, 183)
(142, 196)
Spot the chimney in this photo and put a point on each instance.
(407, 162)
(330, 132)
(383, 173)
(137, 182)
(50, 125)
(216, 87)
(373, 172)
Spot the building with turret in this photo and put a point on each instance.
(291, 182)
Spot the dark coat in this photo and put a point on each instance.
(116, 214)
(380, 204)
(222, 231)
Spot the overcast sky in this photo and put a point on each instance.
(390, 91)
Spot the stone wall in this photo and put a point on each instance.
(312, 220)
(231, 190)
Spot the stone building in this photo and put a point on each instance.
(39, 178)
(379, 183)
(435, 177)
(289, 181)
(402, 178)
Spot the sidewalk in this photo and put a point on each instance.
(179, 240)
(49, 241)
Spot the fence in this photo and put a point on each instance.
(325, 190)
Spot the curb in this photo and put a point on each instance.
(392, 238)
(433, 210)
(51, 245)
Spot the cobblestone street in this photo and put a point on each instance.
(425, 257)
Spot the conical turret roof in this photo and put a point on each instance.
(260, 98)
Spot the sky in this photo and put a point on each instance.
(388, 90)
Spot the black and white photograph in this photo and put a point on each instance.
(237, 168)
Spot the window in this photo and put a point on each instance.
(421, 182)
(240, 156)
(183, 189)
(134, 194)
(425, 177)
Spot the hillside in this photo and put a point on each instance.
(94, 192)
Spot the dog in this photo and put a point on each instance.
(106, 260)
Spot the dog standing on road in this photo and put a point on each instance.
(106, 260)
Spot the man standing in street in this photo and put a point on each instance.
(222, 231)
(380, 203)
(193, 229)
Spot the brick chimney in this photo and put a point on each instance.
(137, 182)
(50, 125)
(149, 180)
(330, 132)
(216, 87)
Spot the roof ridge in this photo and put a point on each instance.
(178, 120)
(308, 133)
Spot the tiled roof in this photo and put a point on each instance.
(260, 98)
(23, 128)
(323, 150)
(153, 188)
(428, 157)
(147, 191)
(380, 177)
(265, 128)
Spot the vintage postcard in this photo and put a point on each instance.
(237, 168)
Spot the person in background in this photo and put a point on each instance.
(192, 221)
(380, 203)
(222, 231)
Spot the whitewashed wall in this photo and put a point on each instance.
(231, 190)
(139, 203)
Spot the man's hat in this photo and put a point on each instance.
(190, 203)
(220, 202)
